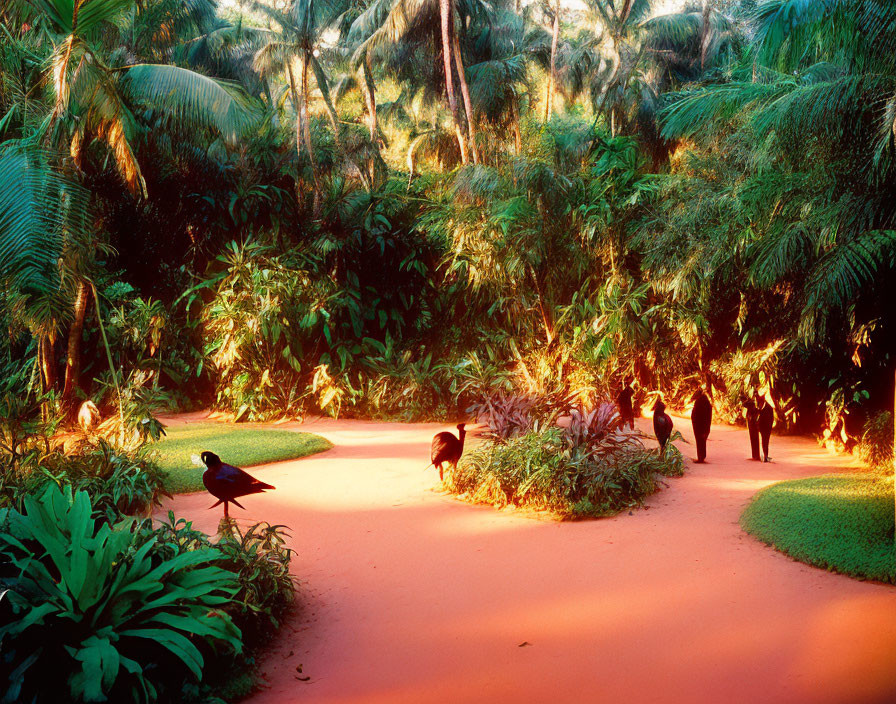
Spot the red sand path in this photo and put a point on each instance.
(412, 596)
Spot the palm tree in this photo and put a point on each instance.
(554, 13)
(400, 25)
(631, 57)
(39, 208)
(95, 98)
(293, 50)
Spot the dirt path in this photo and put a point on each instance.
(411, 596)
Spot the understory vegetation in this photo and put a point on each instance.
(101, 603)
(589, 468)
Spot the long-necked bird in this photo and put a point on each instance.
(766, 423)
(752, 413)
(624, 403)
(701, 419)
(662, 424)
(447, 448)
(226, 482)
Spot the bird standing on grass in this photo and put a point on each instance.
(226, 482)
(447, 448)
(662, 424)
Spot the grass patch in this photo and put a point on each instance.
(842, 523)
(238, 445)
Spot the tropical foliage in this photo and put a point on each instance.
(94, 602)
(589, 468)
(350, 207)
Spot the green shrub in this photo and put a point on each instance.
(876, 446)
(259, 559)
(587, 469)
(119, 483)
(93, 612)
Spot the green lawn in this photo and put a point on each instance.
(238, 445)
(842, 522)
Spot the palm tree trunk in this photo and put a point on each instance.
(704, 38)
(303, 133)
(465, 92)
(555, 38)
(517, 135)
(306, 128)
(73, 361)
(370, 96)
(370, 100)
(446, 13)
(321, 79)
(47, 363)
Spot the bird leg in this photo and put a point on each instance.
(226, 513)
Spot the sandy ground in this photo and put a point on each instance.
(411, 596)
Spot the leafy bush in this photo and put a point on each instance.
(131, 420)
(259, 559)
(587, 469)
(876, 446)
(506, 415)
(119, 483)
(94, 612)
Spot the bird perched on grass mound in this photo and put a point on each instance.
(226, 482)
(662, 424)
(447, 448)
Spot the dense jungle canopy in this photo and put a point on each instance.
(402, 208)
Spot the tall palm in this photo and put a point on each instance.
(96, 97)
(292, 51)
(630, 57)
(96, 94)
(39, 208)
(398, 25)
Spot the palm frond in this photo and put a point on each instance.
(90, 13)
(37, 205)
(841, 274)
(192, 97)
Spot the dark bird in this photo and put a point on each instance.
(447, 448)
(662, 424)
(766, 423)
(226, 482)
(624, 403)
(701, 419)
(752, 413)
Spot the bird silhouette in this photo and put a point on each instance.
(752, 413)
(447, 448)
(226, 482)
(701, 419)
(662, 423)
(624, 403)
(766, 423)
